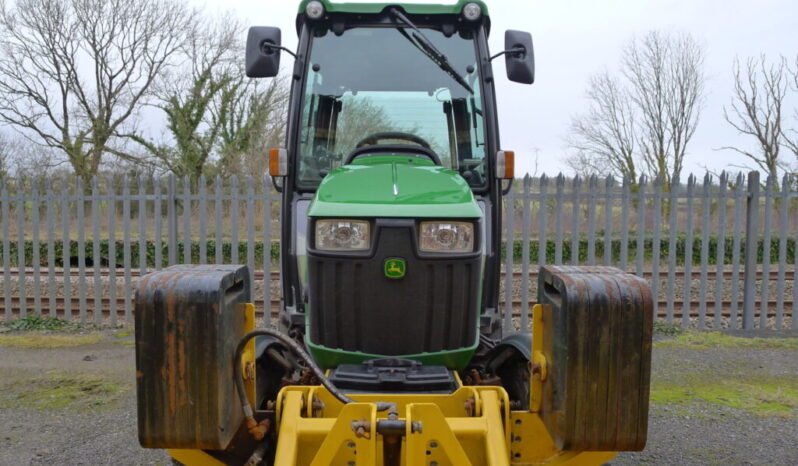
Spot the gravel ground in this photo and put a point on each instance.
(711, 433)
(99, 426)
(99, 431)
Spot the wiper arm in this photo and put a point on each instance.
(425, 45)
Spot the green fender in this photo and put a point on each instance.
(517, 343)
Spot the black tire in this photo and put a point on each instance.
(515, 380)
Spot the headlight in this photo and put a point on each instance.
(314, 10)
(342, 235)
(446, 237)
(472, 11)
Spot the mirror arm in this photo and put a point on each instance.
(265, 45)
(515, 50)
(277, 186)
(506, 189)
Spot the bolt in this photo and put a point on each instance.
(416, 427)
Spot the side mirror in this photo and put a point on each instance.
(520, 64)
(263, 52)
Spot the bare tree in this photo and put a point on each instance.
(206, 64)
(756, 110)
(666, 75)
(215, 115)
(251, 115)
(361, 117)
(5, 155)
(642, 121)
(604, 137)
(790, 136)
(73, 73)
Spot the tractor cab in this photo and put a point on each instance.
(388, 349)
(392, 160)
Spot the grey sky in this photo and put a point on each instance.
(576, 38)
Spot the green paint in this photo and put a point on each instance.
(706, 340)
(411, 8)
(394, 186)
(329, 358)
(395, 268)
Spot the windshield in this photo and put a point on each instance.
(372, 80)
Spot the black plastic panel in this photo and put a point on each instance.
(354, 307)
(393, 375)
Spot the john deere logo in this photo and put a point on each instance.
(395, 268)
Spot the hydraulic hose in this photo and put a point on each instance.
(300, 353)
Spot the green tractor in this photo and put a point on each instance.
(389, 347)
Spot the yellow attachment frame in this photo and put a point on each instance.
(472, 426)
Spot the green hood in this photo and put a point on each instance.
(394, 186)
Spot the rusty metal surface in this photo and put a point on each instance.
(597, 341)
(188, 321)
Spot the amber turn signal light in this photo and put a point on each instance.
(278, 162)
(505, 165)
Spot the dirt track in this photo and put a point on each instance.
(76, 405)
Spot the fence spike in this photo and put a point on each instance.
(68, 208)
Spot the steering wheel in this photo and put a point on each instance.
(368, 146)
(383, 149)
(376, 137)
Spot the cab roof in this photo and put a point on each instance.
(447, 8)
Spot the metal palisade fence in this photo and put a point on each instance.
(720, 252)
(69, 249)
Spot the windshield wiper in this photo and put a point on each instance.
(425, 45)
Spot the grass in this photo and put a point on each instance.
(759, 396)
(670, 330)
(707, 340)
(48, 341)
(123, 334)
(34, 323)
(125, 343)
(59, 391)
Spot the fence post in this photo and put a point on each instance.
(21, 286)
(5, 221)
(527, 228)
(509, 251)
(171, 214)
(751, 249)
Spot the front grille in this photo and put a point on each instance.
(354, 307)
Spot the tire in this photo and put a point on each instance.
(515, 380)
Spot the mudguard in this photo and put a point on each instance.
(520, 341)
